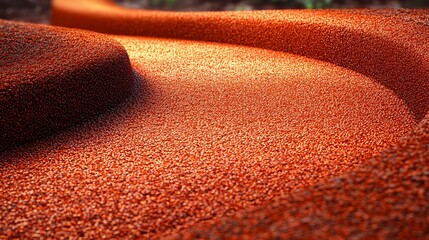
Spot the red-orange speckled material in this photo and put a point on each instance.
(52, 78)
(325, 137)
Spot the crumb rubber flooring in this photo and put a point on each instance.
(222, 140)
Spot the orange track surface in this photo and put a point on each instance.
(325, 136)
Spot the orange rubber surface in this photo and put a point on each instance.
(325, 137)
(52, 78)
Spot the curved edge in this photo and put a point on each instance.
(60, 91)
(392, 50)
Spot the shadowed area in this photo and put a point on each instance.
(324, 137)
(52, 78)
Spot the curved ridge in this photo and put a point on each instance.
(52, 78)
(374, 43)
(206, 141)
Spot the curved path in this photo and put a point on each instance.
(238, 141)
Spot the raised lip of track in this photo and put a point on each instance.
(378, 44)
(54, 78)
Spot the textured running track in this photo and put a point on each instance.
(213, 129)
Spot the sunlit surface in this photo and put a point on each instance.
(276, 124)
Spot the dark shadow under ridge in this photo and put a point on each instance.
(140, 94)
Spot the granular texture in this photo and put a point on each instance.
(218, 129)
(52, 78)
(387, 198)
(382, 45)
(324, 137)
